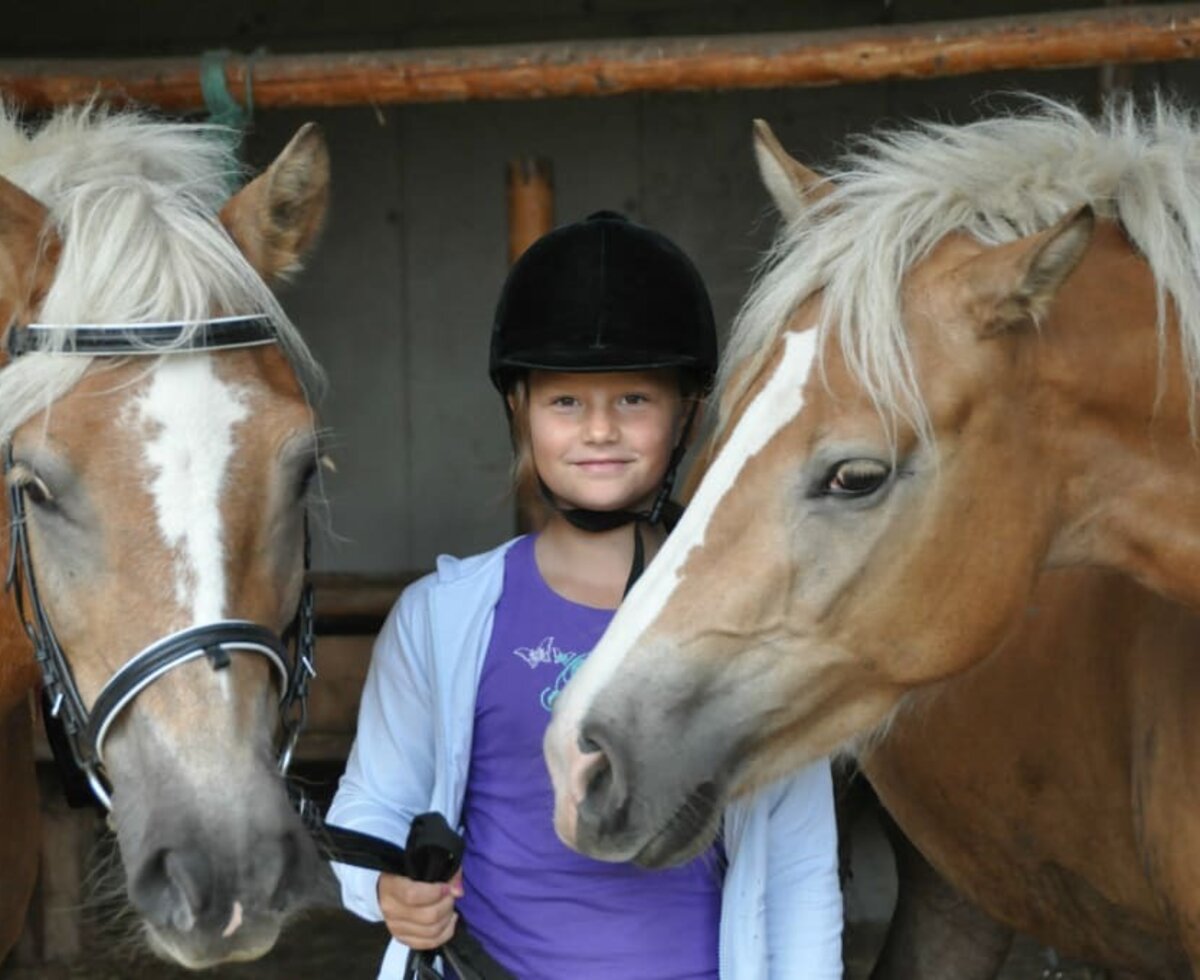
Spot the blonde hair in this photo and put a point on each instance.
(533, 510)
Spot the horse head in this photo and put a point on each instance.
(958, 369)
(159, 477)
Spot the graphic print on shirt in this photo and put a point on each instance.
(547, 654)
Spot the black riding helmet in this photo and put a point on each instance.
(605, 294)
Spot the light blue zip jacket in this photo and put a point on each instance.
(781, 908)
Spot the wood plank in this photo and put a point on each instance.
(333, 698)
(598, 68)
(348, 603)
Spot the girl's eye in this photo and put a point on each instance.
(855, 478)
(563, 401)
(635, 399)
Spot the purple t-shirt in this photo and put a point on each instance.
(539, 908)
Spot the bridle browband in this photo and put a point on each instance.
(85, 732)
(131, 339)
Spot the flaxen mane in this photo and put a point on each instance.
(134, 201)
(997, 179)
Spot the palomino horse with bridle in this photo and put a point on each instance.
(971, 360)
(159, 438)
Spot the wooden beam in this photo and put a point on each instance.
(356, 604)
(530, 184)
(530, 188)
(1120, 35)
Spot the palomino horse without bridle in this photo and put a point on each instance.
(155, 414)
(971, 360)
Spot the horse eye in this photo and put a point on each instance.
(855, 478)
(36, 491)
(306, 478)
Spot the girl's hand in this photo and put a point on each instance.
(418, 913)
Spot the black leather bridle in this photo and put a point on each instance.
(85, 732)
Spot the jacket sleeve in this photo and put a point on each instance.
(804, 899)
(390, 772)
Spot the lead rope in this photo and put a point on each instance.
(433, 852)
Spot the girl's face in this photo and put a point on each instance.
(603, 441)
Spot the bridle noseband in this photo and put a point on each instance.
(86, 731)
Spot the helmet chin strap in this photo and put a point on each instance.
(663, 511)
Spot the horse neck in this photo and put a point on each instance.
(1118, 425)
(18, 670)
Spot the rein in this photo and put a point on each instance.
(85, 732)
(433, 852)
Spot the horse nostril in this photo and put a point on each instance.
(605, 798)
(599, 780)
(188, 872)
(173, 888)
(588, 745)
(595, 739)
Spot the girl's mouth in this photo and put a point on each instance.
(601, 465)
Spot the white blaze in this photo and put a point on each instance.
(780, 401)
(189, 414)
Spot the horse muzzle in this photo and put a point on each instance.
(656, 810)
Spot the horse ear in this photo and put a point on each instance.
(1014, 284)
(29, 250)
(276, 217)
(792, 186)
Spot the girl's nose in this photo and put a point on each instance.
(600, 425)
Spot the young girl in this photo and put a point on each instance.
(602, 345)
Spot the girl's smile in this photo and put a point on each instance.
(601, 466)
